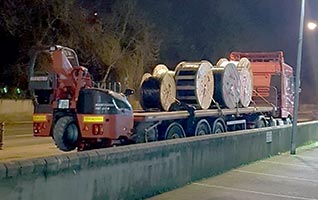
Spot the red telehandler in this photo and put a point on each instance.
(72, 111)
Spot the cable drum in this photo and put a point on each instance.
(144, 77)
(160, 69)
(246, 77)
(220, 61)
(246, 87)
(158, 92)
(227, 89)
(244, 63)
(195, 83)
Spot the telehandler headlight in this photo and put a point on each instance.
(63, 104)
(53, 48)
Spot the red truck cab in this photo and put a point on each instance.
(273, 80)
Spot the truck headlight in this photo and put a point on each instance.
(63, 104)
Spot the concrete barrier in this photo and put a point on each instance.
(2, 129)
(13, 110)
(143, 170)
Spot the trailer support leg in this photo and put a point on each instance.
(148, 129)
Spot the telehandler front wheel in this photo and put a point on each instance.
(65, 133)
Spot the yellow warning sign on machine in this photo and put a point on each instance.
(93, 119)
(39, 118)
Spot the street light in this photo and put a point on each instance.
(311, 25)
(298, 67)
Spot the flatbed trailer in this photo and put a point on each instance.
(153, 126)
(272, 97)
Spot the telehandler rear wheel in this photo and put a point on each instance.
(65, 133)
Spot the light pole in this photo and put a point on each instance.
(297, 81)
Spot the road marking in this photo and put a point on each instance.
(17, 136)
(253, 192)
(277, 176)
(311, 157)
(280, 163)
(24, 135)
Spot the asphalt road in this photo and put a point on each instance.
(280, 177)
(19, 143)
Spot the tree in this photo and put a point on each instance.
(132, 47)
(34, 25)
(119, 43)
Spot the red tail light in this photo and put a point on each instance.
(36, 127)
(98, 129)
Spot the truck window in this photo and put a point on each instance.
(71, 56)
(96, 102)
(291, 85)
(121, 104)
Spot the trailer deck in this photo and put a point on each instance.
(159, 116)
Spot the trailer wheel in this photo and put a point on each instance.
(260, 123)
(202, 128)
(218, 128)
(288, 120)
(65, 133)
(174, 131)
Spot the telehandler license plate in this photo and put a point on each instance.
(93, 119)
(39, 118)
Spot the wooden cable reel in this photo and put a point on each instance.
(246, 77)
(227, 85)
(220, 61)
(195, 83)
(144, 77)
(244, 63)
(158, 91)
(160, 69)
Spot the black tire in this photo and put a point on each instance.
(260, 123)
(174, 131)
(124, 141)
(288, 120)
(202, 128)
(65, 133)
(218, 128)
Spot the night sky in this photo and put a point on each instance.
(211, 29)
